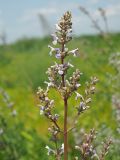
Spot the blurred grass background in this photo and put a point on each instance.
(22, 69)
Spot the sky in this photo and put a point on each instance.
(19, 18)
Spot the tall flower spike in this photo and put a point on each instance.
(66, 87)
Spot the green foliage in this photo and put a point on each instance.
(22, 69)
(20, 144)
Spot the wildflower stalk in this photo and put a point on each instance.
(65, 111)
(66, 87)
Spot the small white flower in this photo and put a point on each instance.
(57, 116)
(66, 49)
(76, 158)
(62, 149)
(50, 129)
(52, 50)
(55, 39)
(78, 96)
(88, 100)
(39, 88)
(62, 146)
(82, 106)
(77, 147)
(58, 27)
(69, 64)
(50, 116)
(92, 88)
(46, 98)
(74, 52)
(41, 110)
(51, 102)
(47, 147)
(69, 31)
(55, 132)
(78, 85)
(60, 72)
(50, 84)
(49, 150)
(67, 82)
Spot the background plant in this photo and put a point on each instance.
(16, 142)
(114, 79)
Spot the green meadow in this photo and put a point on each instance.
(22, 69)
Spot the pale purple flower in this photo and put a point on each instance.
(74, 52)
(56, 50)
(57, 55)
(60, 68)
(55, 39)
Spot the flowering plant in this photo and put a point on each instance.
(66, 88)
